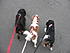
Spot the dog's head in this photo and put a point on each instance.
(35, 19)
(36, 16)
(50, 23)
(22, 12)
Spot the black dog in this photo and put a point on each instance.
(49, 37)
(20, 22)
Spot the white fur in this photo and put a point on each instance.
(35, 40)
(50, 25)
(19, 14)
(34, 25)
(36, 15)
(35, 19)
(45, 29)
(29, 36)
(51, 48)
(46, 36)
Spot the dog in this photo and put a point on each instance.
(33, 32)
(34, 28)
(20, 22)
(49, 36)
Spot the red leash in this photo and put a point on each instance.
(12, 38)
(11, 41)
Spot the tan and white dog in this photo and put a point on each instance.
(34, 28)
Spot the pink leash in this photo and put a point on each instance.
(11, 40)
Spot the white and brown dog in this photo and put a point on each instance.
(34, 28)
(49, 37)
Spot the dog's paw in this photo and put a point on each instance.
(18, 37)
(44, 45)
(35, 46)
(51, 49)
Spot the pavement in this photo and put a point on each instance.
(57, 10)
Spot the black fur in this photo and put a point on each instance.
(50, 31)
(20, 21)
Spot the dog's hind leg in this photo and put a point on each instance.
(35, 42)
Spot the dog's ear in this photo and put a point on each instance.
(33, 17)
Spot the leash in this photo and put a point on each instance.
(24, 46)
(18, 19)
(40, 41)
(39, 44)
(12, 38)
